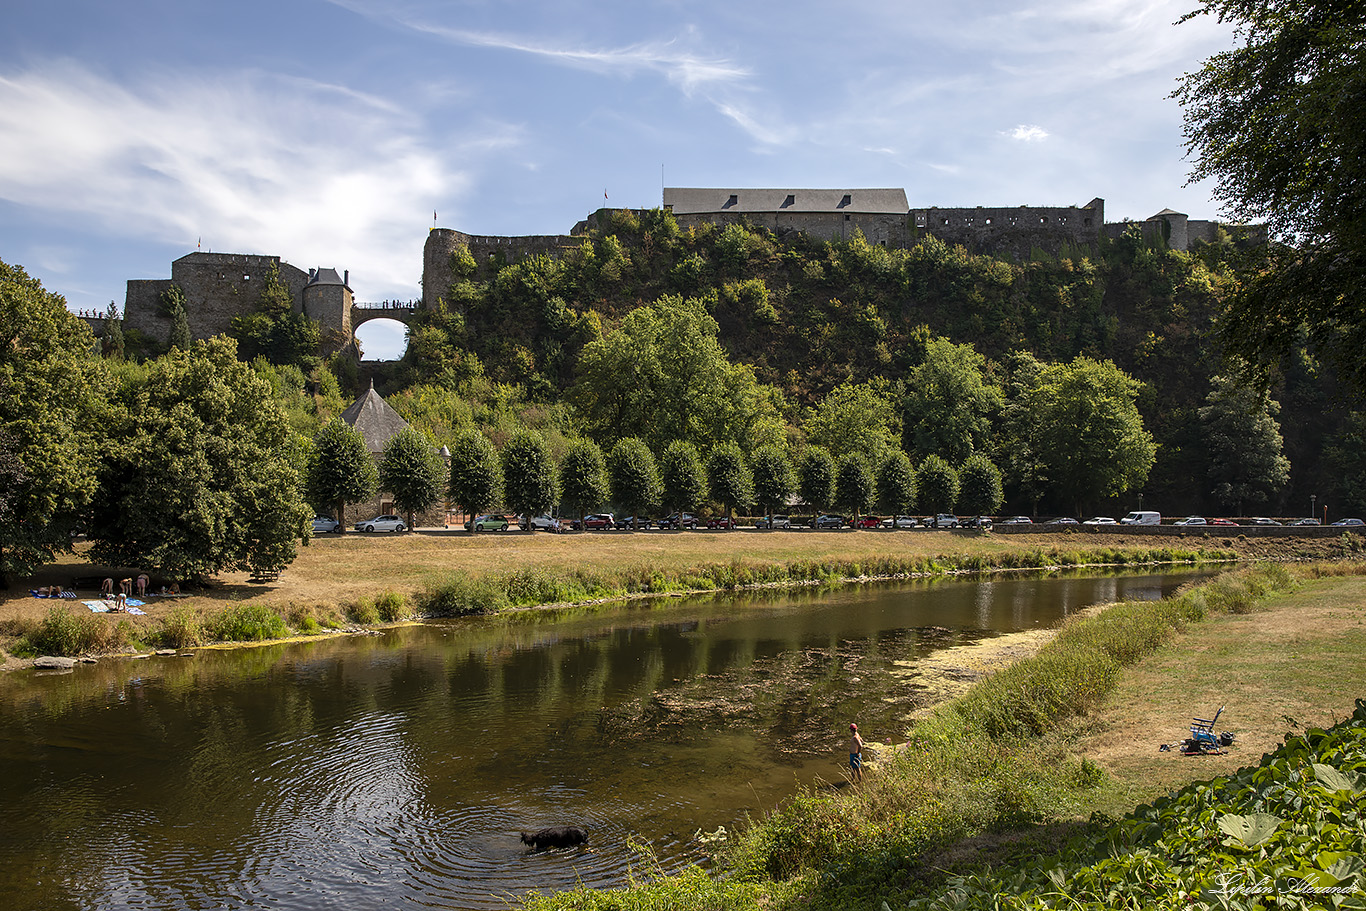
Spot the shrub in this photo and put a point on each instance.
(181, 628)
(62, 632)
(246, 623)
(312, 617)
(392, 606)
(460, 596)
(363, 612)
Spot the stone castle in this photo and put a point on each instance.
(221, 286)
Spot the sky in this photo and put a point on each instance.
(328, 132)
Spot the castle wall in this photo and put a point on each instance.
(217, 286)
(1013, 230)
(882, 228)
(441, 243)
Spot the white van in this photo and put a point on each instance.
(1142, 518)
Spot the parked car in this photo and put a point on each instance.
(488, 523)
(1142, 517)
(827, 521)
(598, 521)
(381, 523)
(1222, 522)
(1349, 523)
(1100, 520)
(1016, 520)
(540, 523)
(978, 522)
(1310, 521)
(774, 522)
(944, 520)
(1191, 520)
(324, 524)
(1061, 520)
(900, 522)
(1263, 520)
(867, 522)
(630, 522)
(721, 522)
(678, 520)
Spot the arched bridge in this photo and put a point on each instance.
(364, 311)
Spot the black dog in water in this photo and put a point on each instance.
(558, 837)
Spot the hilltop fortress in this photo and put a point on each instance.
(221, 286)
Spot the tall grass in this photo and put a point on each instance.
(63, 632)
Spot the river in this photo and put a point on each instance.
(397, 769)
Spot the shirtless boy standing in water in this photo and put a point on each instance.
(855, 754)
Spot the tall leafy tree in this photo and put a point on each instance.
(340, 470)
(773, 478)
(113, 342)
(854, 486)
(1243, 444)
(979, 486)
(896, 484)
(274, 330)
(938, 486)
(662, 375)
(728, 477)
(51, 395)
(528, 475)
(476, 474)
(683, 478)
(855, 417)
(949, 405)
(1087, 432)
(583, 478)
(816, 477)
(198, 471)
(412, 471)
(634, 477)
(1279, 124)
(180, 324)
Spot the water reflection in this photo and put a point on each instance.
(398, 768)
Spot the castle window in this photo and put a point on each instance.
(1088, 222)
(1043, 219)
(246, 278)
(733, 201)
(920, 219)
(846, 201)
(988, 221)
(791, 200)
(943, 221)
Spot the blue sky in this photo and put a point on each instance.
(328, 132)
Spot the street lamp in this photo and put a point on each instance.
(1313, 505)
(1140, 501)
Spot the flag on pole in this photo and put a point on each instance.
(199, 243)
(604, 195)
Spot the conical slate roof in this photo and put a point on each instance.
(376, 421)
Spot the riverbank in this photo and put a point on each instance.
(358, 581)
(1012, 769)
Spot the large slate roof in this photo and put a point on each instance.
(376, 421)
(699, 200)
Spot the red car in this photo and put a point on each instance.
(1222, 522)
(721, 522)
(598, 520)
(868, 522)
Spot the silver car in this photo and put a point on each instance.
(381, 523)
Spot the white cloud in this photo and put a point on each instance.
(250, 162)
(1028, 132)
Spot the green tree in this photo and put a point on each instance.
(634, 476)
(728, 477)
(274, 331)
(528, 475)
(340, 470)
(979, 486)
(949, 406)
(938, 484)
(816, 477)
(583, 478)
(896, 484)
(854, 487)
(855, 417)
(114, 345)
(476, 473)
(51, 395)
(1087, 432)
(1347, 455)
(180, 323)
(1279, 124)
(412, 471)
(682, 476)
(662, 375)
(1243, 444)
(773, 478)
(198, 469)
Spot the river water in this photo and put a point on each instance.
(396, 770)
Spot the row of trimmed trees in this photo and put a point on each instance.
(523, 477)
